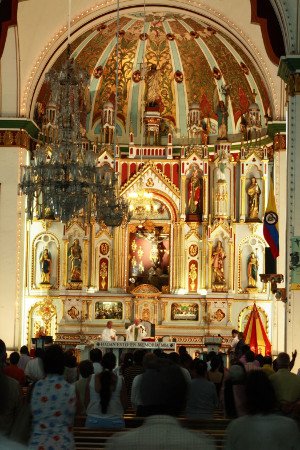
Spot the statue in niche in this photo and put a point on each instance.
(253, 192)
(218, 256)
(194, 192)
(153, 84)
(252, 269)
(46, 263)
(75, 255)
(221, 196)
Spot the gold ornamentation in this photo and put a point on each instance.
(141, 267)
(150, 182)
(104, 248)
(133, 262)
(133, 245)
(253, 227)
(193, 250)
(46, 311)
(193, 276)
(103, 274)
(140, 252)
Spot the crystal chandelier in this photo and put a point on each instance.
(63, 181)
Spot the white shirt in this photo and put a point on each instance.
(130, 332)
(108, 334)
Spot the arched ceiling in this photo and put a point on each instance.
(194, 58)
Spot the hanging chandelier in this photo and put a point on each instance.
(141, 203)
(64, 180)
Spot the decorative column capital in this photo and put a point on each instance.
(289, 71)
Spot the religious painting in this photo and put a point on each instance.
(74, 309)
(109, 310)
(149, 256)
(184, 311)
(218, 311)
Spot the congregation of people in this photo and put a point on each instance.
(259, 395)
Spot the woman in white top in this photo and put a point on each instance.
(106, 397)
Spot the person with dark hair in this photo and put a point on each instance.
(13, 370)
(71, 369)
(216, 372)
(251, 363)
(234, 397)
(150, 362)
(96, 358)
(53, 402)
(135, 369)
(163, 393)
(261, 428)
(10, 396)
(267, 366)
(24, 357)
(202, 396)
(86, 369)
(245, 348)
(175, 358)
(286, 384)
(239, 345)
(105, 397)
(126, 360)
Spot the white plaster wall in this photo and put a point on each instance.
(9, 76)
(9, 256)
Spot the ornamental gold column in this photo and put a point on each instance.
(119, 260)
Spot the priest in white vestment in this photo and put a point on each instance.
(136, 331)
(109, 334)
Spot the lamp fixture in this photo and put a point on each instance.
(64, 180)
(141, 203)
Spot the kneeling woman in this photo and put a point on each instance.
(106, 397)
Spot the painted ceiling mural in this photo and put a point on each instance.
(194, 62)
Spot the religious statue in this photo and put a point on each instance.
(46, 262)
(252, 270)
(194, 193)
(76, 259)
(218, 256)
(222, 133)
(153, 85)
(253, 192)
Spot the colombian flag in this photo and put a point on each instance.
(270, 228)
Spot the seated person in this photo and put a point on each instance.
(163, 395)
(106, 397)
(202, 397)
(13, 370)
(10, 396)
(261, 428)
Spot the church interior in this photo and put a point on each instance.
(175, 122)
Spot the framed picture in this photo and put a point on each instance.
(109, 310)
(184, 311)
